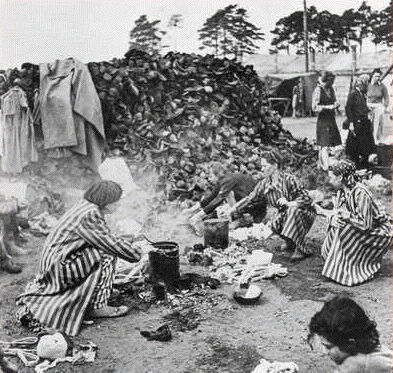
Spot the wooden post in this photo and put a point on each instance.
(305, 33)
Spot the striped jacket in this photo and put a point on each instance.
(70, 267)
(293, 222)
(353, 254)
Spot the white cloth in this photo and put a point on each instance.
(275, 367)
(116, 169)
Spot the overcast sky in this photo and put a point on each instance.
(97, 30)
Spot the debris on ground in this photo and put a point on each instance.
(275, 367)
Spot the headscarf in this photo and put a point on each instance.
(326, 75)
(103, 193)
(347, 170)
(273, 157)
(361, 80)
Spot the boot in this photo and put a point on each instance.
(288, 245)
(298, 256)
(15, 250)
(7, 366)
(163, 334)
(9, 266)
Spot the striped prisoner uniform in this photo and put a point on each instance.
(353, 254)
(290, 222)
(76, 269)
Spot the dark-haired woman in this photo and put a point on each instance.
(295, 215)
(77, 265)
(350, 338)
(359, 233)
(324, 102)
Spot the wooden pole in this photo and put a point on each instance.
(305, 33)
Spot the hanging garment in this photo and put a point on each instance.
(70, 109)
(18, 147)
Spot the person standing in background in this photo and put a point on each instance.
(297, 99)
(360, 141)
(324, 102)
(377, 101)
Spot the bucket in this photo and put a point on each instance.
(164, 261)
(216, 233)
(384, 152)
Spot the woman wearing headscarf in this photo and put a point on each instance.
(360, 142)
(324, 103)
(77, 265)
(377, 101)
(295, 212)
(358, 234)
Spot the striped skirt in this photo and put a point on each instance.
(353, 256)
(294, 223)
(60, 297)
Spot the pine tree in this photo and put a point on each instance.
(228, 32)
(145, 36)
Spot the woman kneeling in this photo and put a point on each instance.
(77, 265)
(295, 212)
(358, 234)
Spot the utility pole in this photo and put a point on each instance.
(305, 33)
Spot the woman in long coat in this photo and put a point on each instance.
(324, 102)
(283, 191)
(77, 265)
(360, 141)
(358, 235)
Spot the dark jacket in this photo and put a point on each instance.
(240, 184)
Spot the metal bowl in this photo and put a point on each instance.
(248, 295)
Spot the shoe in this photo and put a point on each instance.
(287, 246)
(7, 366)
(163, 334)
(108, 312)
(16, 250)
(298, 256)
(11, 267)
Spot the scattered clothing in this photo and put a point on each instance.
(276, 367)
(353, 254)
(17, 148)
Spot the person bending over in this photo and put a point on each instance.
(77, 265)
(295, 211)
(350, 338)
(232, 186)
(358, 233)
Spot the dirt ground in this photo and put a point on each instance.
(225, 337)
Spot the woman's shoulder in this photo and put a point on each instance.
(84, 208)
(361, 190)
